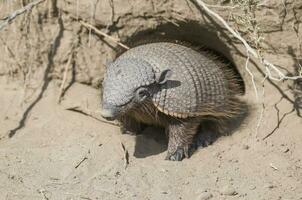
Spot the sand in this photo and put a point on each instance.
(61, 154)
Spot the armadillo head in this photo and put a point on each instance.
(127, 84)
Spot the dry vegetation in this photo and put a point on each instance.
(246, 28)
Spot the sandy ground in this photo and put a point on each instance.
(61, 154)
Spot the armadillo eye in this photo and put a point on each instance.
(142, 93)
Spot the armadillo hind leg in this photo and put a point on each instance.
(130, 126)
(181, 136)
(208, 132)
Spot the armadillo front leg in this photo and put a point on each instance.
(181, 136)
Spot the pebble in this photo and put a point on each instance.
(205, 196)
(269, 186)
(228, 190)
(252, 187)
(245, 146)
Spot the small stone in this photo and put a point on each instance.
(245, 147)
(35, 118)
(228, 190)
(286, 150)
(270, 186)
(252, 187)
(204, 196)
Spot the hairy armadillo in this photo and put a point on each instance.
(168, 85)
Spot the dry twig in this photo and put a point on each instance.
(268, 66)
(112, 39)
(260, 119)
(85, 158)
(16, 13)
(64, 77)
(126, 155)
(273, 166)
(251, 74)
(90, 114)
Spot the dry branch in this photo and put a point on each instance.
(64, 77)
(268, 66)
(89, 113)
(16, 13)
(90, 27)
(85, 158)
(126, 155)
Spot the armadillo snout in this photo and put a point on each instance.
(108, 114)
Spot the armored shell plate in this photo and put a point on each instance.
(197, 85)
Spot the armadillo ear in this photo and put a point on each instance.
(163, 76)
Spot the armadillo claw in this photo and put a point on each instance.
(179, 154)
(128, 132)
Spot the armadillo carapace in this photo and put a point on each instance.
(168, 85)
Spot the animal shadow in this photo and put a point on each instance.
(153, 140)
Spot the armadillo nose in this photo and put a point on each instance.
(107, 114)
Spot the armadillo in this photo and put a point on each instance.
(169, 85)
